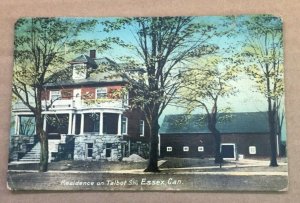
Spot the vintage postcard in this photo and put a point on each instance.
(148, 103)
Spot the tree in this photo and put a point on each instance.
(39, 57)
(262, 58)
(162, 43)
(203, 84)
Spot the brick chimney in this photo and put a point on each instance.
(93, 54)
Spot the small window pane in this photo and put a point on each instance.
(108, 150)
(142, 127)
(169, 149)
(101, 92)
(252, 150)
(124, 125)
(89, 149)
(55, 95)
(200, 149)
(185, 149)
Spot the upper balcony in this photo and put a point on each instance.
(67, 104)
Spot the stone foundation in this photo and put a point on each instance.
(95, 147)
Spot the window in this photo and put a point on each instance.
(89, 150)
(110, 123)
(79, 71)
(108, 150)
(124, 125)
(169, 149)
(126, 99)
(252, 150)
(101, 92)
(200, 149)
(91, 122)
(57, 124)
(142, 128)
(186, 148)
(26, 125)
(55, 95)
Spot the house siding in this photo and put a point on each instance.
(134, 117)
(193, 141)
(67, 93)
(45, 95)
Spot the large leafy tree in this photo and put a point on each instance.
(203, 85)
(39, 56)
(262, 58)
(161, 45)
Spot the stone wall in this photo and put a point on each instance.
(101, 145)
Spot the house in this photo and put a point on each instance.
(86, 116)
(241, 133)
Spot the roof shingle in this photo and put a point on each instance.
(248, 122)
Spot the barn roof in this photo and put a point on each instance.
(248, 122)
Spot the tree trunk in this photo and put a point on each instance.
(42, 135)
(44, 144)
(218, 155)
(273, 141)
(153, 153)
(272, 119)
(212, 122)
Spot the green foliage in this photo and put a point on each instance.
(162, 43)
(262, 54)
(40, 53)
(40, 47)
(207, 80)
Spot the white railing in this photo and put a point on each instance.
(59, 104)
(100, 103)
(77, 104)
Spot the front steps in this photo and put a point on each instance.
(33, 156)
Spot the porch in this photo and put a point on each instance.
(73, 123)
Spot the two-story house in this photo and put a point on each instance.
(88, 115)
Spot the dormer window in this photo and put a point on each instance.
(79, 71)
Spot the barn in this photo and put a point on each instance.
(245, 133)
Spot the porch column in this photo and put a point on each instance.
(45, 122)
(81, 124)
(17, 124)
(101, 124)
(158, 144)
(70, 124)
(120, 124)
(73, 124)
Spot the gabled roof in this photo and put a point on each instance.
(249, 122)
(106, 61)
(94, 77)
(85, 59)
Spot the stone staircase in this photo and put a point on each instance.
(33, 156)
